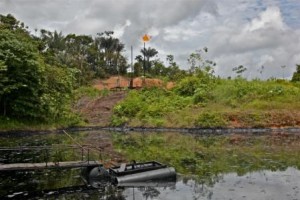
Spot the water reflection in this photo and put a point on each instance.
(25, 182)
(258, 185)
(276, 185)
(222, 167)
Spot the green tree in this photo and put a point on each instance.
(57, 91)
(29, 87)
(173, 71)
(21, 76)
(158, 68)
(195, 61)
(296, 75)
(77, 49)
(9, 22)
(111, 48)
(239, 70)
(94, 57)
(170, 59)
(138, 65)
(199, 65)
(148, 53)
(52, 46)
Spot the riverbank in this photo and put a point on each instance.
(230, 104)
(214, 131)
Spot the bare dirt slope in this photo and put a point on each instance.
(99, 111)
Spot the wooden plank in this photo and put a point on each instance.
(49, 165)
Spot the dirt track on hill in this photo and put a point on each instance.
(99, 111)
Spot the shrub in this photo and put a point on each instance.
(130, 106)
(203, 94)
(187, 86)
(210, 120)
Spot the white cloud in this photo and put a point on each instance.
(271, 18)
(236, 32)
(264, 40)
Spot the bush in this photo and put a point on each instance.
(210, 120)
(149, 106)
(160, 107)
(187, 86)
(203, 94)
(130, 106)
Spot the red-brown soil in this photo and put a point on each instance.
(124, 82)
(99, 111)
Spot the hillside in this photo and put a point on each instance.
(212, 102)
(98, 111)
(217, 103)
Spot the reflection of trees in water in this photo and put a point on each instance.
(35, 181)
(203, 180)
(62, 184)
(202, 186)
(107, 192)
(150, 192)
(8, 182)
(114, 193)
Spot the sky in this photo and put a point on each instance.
(261, 35)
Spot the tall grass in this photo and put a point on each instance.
(240, 93)
(88, 91)
(211, 103)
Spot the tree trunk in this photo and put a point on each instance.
(4, 107)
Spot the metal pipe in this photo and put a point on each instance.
(159, 174)
(159, 183)
(144, 59)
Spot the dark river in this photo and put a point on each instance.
(215, 166)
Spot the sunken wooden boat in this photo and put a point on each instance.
(141, 172)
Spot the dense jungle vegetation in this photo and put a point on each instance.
(42, 74)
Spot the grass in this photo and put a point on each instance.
(88, 91)
(213, 103)
(8, 124)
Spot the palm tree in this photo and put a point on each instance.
(149, 53)
(112, 48)
(53, 41)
